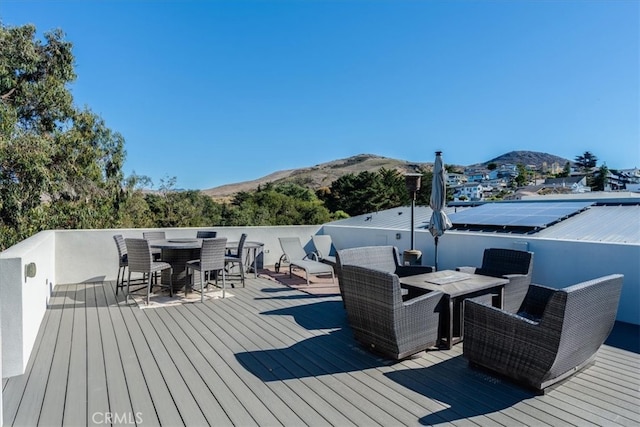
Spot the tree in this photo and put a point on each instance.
(60, 166)
(586, 162)
(524, 175)
(600, 179)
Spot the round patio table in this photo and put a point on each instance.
(177, 252)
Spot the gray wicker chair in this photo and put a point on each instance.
(556, 332)
(205, 234)
(236, 258)
(141, 260)
(383, 258)
(123, 262)
(517, 266)
(381, 320)
(155, 235)
(212, 259)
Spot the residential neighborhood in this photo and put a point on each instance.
(502, 183)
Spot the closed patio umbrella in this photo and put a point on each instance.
(439, 221)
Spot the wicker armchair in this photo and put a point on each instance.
(555, 334)
(383, 258)
(517, 266)
(381, 320)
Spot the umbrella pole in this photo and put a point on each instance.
(436, 256)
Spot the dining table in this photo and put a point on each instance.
(456, 287)
(178, 251)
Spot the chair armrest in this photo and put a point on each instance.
(412, 270)
(465, 269)
(423, 312)
(433, 297)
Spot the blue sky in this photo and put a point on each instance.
(217, 92)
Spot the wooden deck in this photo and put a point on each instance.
(271, 355)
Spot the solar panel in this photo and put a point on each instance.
(519, 214)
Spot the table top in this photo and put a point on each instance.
(186, 243)
(453, 283)
(193, 243)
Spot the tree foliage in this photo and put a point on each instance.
(60, 166)
(586, 161)
(356, 194)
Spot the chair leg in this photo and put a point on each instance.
(118, 280)
(241, 273)
(128, 282)
(201, 285)
(171, 282)
(149, 289)
(223, 284)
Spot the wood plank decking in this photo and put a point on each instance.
(271, 355)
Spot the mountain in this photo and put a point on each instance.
(526, 158)
(320, 175)
(324, 174)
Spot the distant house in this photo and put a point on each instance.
(471, 191)
(455, 179)
(475, 175)
(625, 179)
(504, 171)
(577, 184)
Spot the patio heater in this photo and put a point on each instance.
(412, 182)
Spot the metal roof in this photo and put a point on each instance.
(396, 218)
(608, 223)
(615, 224)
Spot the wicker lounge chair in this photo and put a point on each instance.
(555, 333)
(383, 258)
(517, 266)
(381, 320)
(296, 256)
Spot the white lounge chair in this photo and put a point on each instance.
(324, 244)
(296, 256)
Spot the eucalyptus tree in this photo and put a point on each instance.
(60, 166)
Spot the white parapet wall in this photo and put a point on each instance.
(24, 299)
(84, 256)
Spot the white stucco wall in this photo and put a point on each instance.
(23, 301)
(92, 256)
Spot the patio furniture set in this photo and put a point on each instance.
(178, 259)
(532, 334)
(529, 333)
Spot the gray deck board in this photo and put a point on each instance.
(271, 355)
(75, 407)
(138, 391)
(36, 384)
(54, 398)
